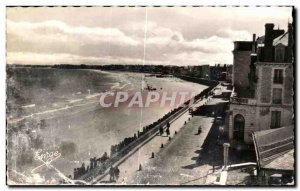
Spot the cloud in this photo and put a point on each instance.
(54, 42)
(214, 44)
(56, 30)
(196, 57)
(183, 36)
(236, 35)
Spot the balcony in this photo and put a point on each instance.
(242, 101)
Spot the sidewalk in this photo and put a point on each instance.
(143, 155)
(175, 163)
(183, 161)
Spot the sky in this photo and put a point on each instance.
(134, 35)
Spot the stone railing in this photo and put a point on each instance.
(98, 170)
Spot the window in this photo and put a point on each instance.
(279, 54)
(278, 76)
(277, 96)
(239, 127)
(275, 119)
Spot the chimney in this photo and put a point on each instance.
(254, 43)
(269, 34)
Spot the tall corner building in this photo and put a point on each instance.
(263, 85)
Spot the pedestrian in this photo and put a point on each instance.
(117, 173)
(168, 124)
(161, 131)
(199, 130)
(168, 131)
(111, 174)
(104, 156)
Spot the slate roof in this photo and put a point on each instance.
(273, 144)
(285, 162)
(282, 39)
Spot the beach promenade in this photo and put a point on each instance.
(182, 159)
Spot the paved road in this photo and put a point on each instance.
(143, 156)
(183, 161)
(177, 162)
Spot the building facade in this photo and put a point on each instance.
(265, 101)
(241, 59)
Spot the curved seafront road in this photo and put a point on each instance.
(129, 165)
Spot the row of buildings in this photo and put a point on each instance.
(210, 72)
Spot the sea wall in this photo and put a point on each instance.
(99, 166)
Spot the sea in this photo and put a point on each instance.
(52, 110)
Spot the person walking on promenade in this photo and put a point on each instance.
(168, 124)
(117, 173)
(161, 130)
(168, 131)
(199, 130)
(111, 174)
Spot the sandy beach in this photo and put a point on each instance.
(74, 123)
